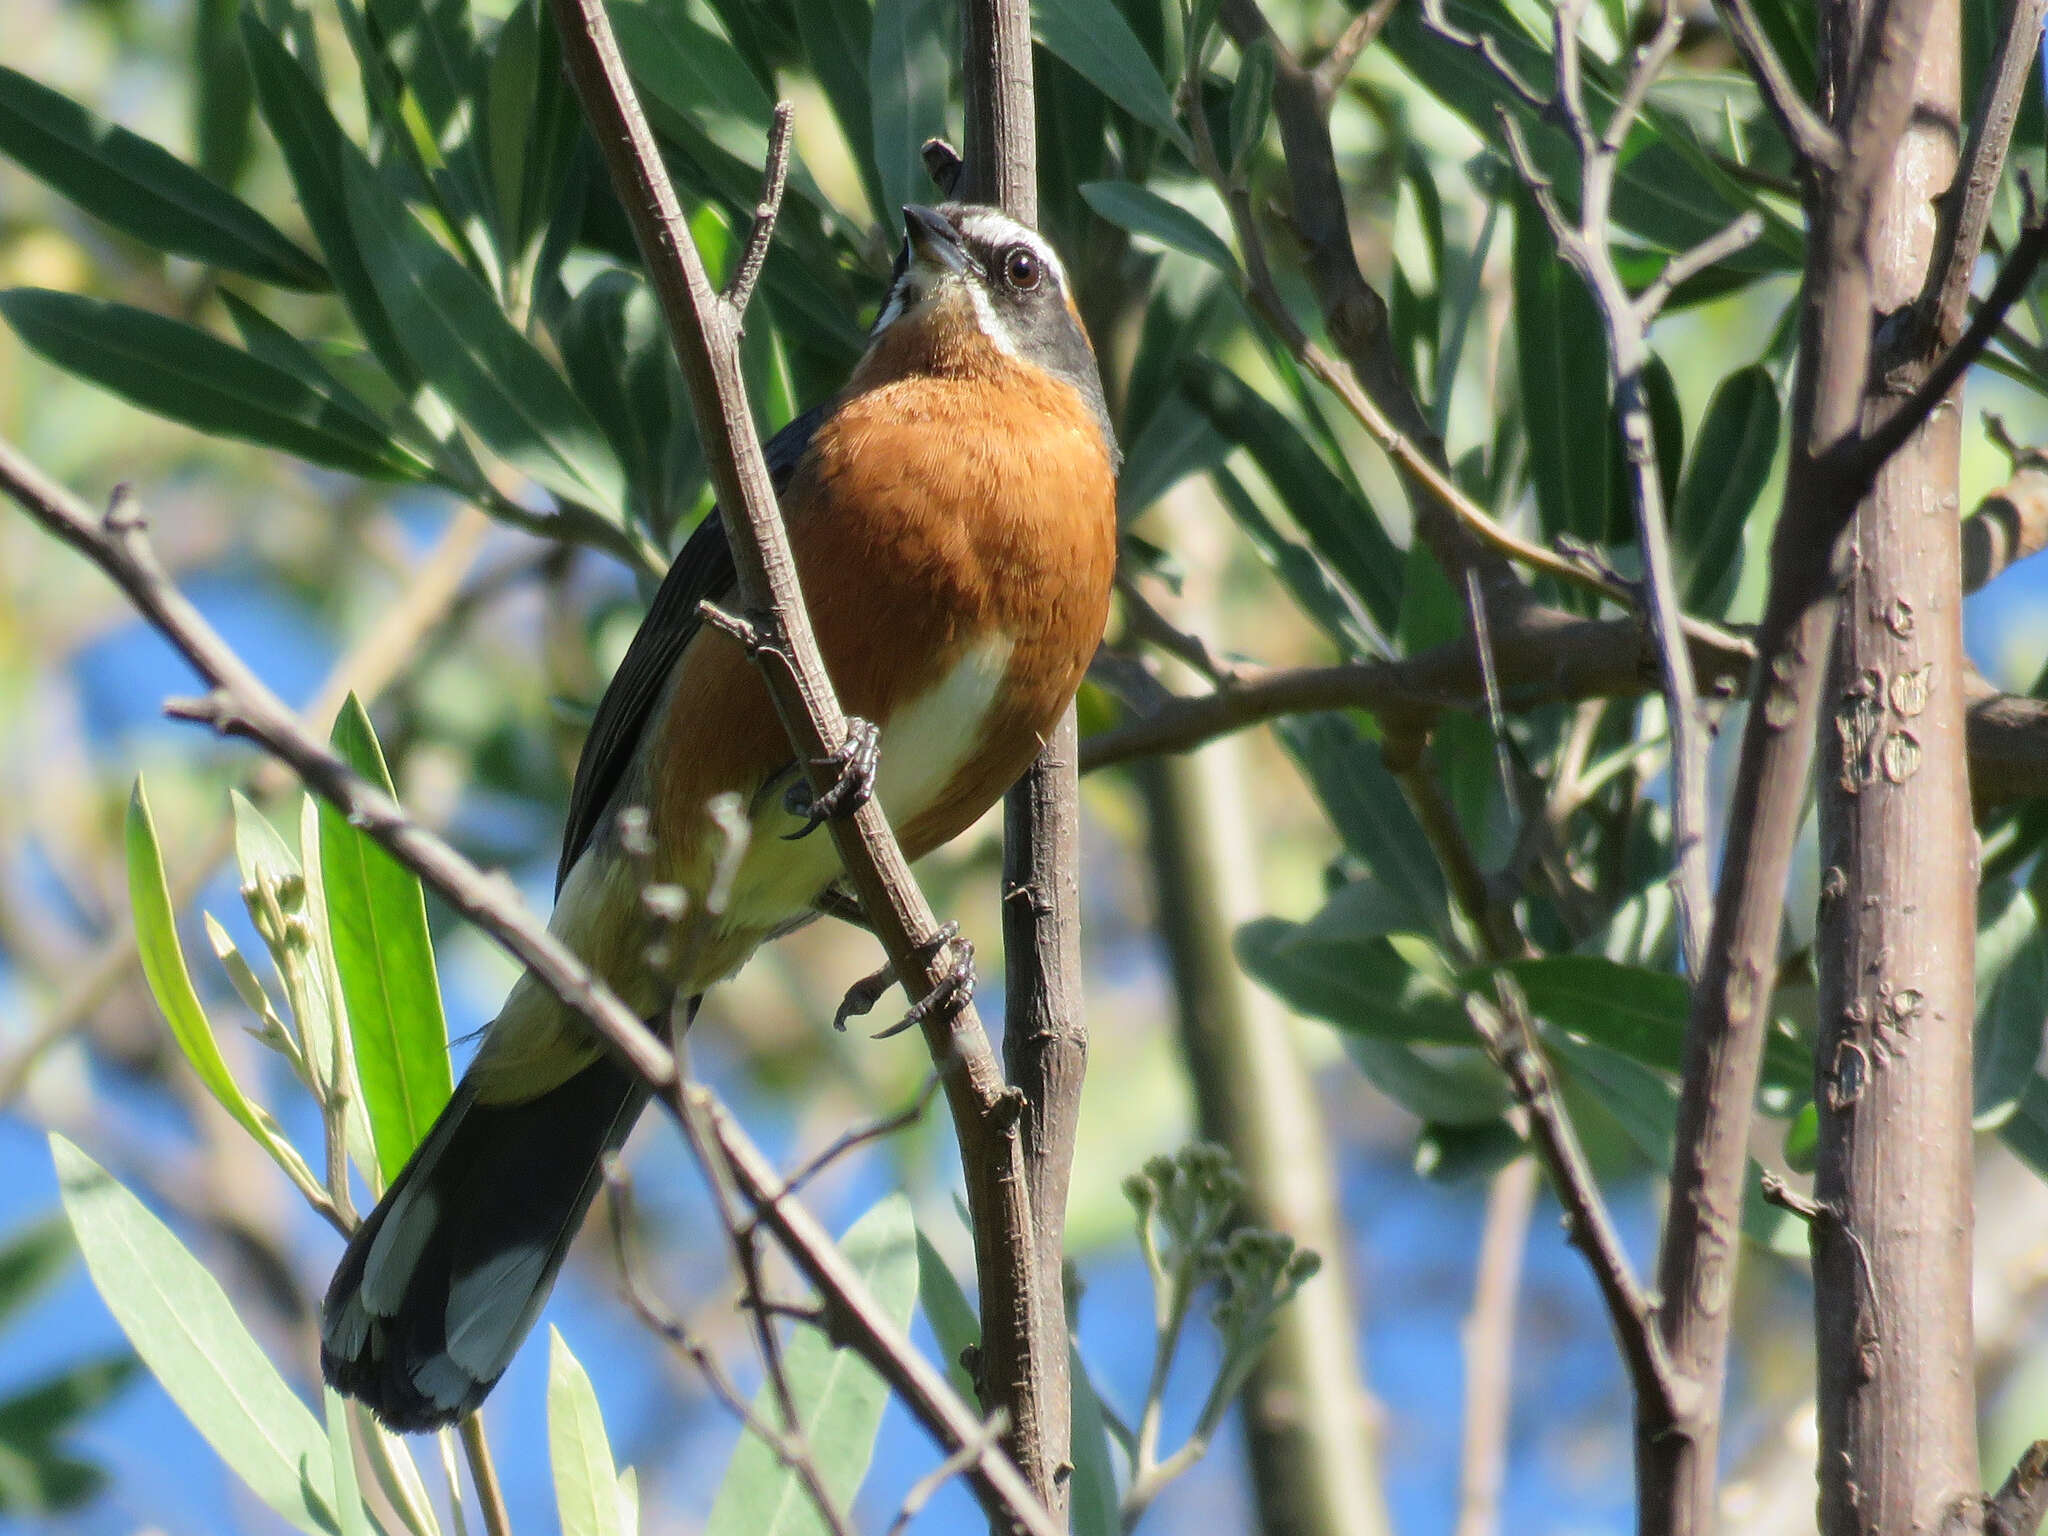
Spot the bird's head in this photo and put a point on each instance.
(974, 291)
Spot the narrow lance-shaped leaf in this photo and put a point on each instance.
(906, 93)
(185, 1329)
(463, 344)
(1730, 465)
(1144, 212)
(31, 1260)
(377, 916)
(1562, 357)
(190, 376)
(315, 149)
(163, 965)
(586, 1481)
(141, 188)
(1093, 37)
(838, 1396)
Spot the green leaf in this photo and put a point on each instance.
(1352, 966)
(950, 1314)
(377, 915)
(192, 377)
(1644, 1103)
(1344, 529)
(1251, 101)
(837, 38)
(1322, 597)
(142, 189)
(315, 151)
(907, 68)
(45, 1410)
(222, 95)
(31, 1261)
(185, 1329)
(586, 1480)
(1638, 1013)
(1444, 1086)
(341, 1456)
(462, 343)
(2026, 1129)
(1562, 358)
(531, 126)
(1351, 778)
(1730, 465)
(163, 965)
(1093, 37)
(1092, 1496)
(2013, 1003)
(1144, 212)
(838, 1396)
(36, 1480)
(1456, 1153)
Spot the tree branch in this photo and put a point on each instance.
(1812, 140)
(1510, 1038)
(985, 1109)
(240, 704)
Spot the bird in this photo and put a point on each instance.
(952, 514)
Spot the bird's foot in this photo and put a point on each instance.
(954, 991)
(858, 759)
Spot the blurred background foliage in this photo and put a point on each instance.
(414, 282)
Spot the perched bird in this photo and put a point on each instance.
(953, 516)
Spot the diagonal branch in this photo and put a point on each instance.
(1812, 140)
(240, 704)
(1509, 1035)
(1966, 207)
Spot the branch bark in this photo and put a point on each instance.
(1731, 998)
(241, 705)
(1045, 1036)
(1311, 1441)
(1896, 941)
(987, 1112)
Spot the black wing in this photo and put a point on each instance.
(703, 569)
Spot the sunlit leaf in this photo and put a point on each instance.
(1093, 37)
(185, 1329)
(461, 342)
(192, 377)
(1730, 464)
(907, 68)
(1145, 212)
(838, 1396)
(141, 188)
(586, 1480)
(377, 916)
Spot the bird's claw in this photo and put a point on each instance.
(858, 759)
(954, 991)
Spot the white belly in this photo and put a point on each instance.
(924, 744)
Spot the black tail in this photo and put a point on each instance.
(446, 1276)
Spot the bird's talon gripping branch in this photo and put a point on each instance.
(954, 991)
(857, 760)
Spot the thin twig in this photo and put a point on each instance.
(1334, 67)
(1858, 459)
(483, 1474)
(1510, 1038)
(243, 705)
(1489, 1338)
(791, 1450)
(925, 1487)
(1812, 140)
(774, 178)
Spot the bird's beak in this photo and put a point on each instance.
(934, 242)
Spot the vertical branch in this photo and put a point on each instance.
(1731, 999)
(1897, 936)
(1311, 1440)
(1045, 1039)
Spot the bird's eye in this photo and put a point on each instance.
(1022, 268)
